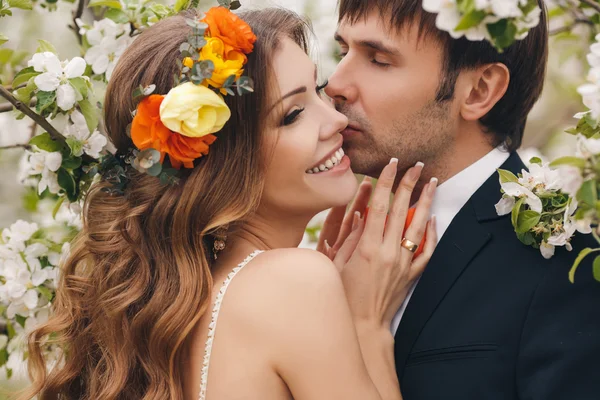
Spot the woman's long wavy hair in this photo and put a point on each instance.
(139, 275)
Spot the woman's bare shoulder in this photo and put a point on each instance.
(287, 281)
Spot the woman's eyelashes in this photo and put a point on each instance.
(320, 88)
(292, 116)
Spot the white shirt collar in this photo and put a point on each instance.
(453, 194)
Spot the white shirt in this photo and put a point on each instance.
(451, 196)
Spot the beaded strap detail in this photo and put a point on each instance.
(213, 324)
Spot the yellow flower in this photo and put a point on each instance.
(226, 65)
(193, 110)
(188, 62)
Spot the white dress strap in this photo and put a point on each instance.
(213, 324)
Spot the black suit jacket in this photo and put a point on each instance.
(492, 319)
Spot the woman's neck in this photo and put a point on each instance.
(264, 231)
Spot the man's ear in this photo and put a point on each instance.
(487, 85)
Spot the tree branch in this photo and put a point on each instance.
(567, 28)
(41, 121)
(592, 4)
(77, 13)
(16, 146)
(6, 107)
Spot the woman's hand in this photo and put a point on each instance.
(376, 269)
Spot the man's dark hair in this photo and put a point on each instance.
(526, 60)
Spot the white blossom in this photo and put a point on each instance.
(108, 41)
(90, 143)
(55, 76)
(505, 205)
(547, 250)
(517, 190)
(571, 179)
(540, 178)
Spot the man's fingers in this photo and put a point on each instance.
(375, 224)
(360, 203)
(331, 227)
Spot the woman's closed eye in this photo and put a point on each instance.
(292, 116)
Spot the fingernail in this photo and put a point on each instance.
(366, 178)
(394, 160)
(355, 220)
(415, 172)
(419, 164)
(432, 185)
(327, 246)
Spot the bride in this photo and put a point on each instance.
(139, 298)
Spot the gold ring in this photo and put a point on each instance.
(408, 245)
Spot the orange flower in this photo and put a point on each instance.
(233, 31)
(148, 131)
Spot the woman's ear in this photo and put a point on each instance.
(488, 84)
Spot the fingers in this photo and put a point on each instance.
(331, 227)
(375, 224)
(361, 201)
(418, 265)
(345, 252)
(399, 211)
(416, 230)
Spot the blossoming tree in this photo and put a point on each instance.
(548, 204)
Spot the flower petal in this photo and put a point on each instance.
(47, 81)
(66, 97)
(75, 68)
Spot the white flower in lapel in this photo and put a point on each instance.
(515, 189)
(505, 205)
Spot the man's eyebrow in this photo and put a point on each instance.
(376, 45)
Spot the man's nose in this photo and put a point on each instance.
(341, 87)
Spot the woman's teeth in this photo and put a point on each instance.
(329, 164)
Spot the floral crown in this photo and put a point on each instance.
(173, 130)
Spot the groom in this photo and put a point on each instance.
(490, 318)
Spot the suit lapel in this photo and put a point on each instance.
(464, 238)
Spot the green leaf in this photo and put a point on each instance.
(3, 39)
(574, 161)
(24, 94)
(583, 254)
(181, 5)
(71, 162)
(527, 238)
(22, 4)
(507, 176)
(3, 357)
(30, 200)
(117, 16)
(45, 46)
(527, 220)
(470, 20)
(535, 160)
(588, 193)
(80, 85)
(45, 142)
(24, 75)
(67, 182)
(514, 217)
(20, 320)
(10, 330)
(44, 100)
(57, 207)
(47, 293)
(90, 112)
(106, 3)
(596, 268)
(503, 32)
(6, 55)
